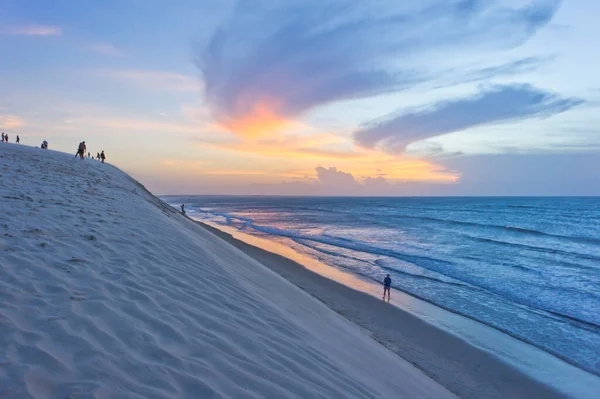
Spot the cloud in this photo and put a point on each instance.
(105, 49)
(32, 30)
(332, 181)
(377, 183)
(486, 175)
(333, 178)
(301, 153)
(337, 181)
(281, 59)
(498, 104)
(157, 79)
(322, 146)
(119, 125)
(520, 66)
(11, 122)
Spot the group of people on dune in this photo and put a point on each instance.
(5, 138)
(81, 153)
(81, 149)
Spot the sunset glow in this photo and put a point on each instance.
(285, 101)
(260, 121)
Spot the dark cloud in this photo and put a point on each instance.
(298, 54)
(496, 105)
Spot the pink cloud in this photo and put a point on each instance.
(10, 122)
(127, 124)
(33, 30)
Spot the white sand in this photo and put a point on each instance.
(106, 292)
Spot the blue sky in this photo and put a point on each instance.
(313, 97)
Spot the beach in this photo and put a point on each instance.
(108, 292)
(300, 199)
(465, 369)
(526, 267)
(320, 247)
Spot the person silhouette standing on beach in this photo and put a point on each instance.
(102, 156)
(3, 137)
(387, 284)
(183, 208)
(18, 139)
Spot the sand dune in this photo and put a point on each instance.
(106, 292)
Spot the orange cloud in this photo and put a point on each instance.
(179, 163)
(400, 171)
(403, 170)
(195, 168)
(235, 173)
(10, 122)
(307, 151)
(262, 120)
(33, 30)
(322, 146)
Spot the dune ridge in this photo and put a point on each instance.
(107, 292)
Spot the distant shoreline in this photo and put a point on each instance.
(466, 370)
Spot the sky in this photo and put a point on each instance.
(313, 97)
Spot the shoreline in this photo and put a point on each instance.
(450, 357)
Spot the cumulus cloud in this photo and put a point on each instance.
(377, 184)
(496, 105)
(280, 59)
(335, 178)
(332, 181)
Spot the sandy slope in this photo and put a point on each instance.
(107, 292)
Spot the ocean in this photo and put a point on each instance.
(529, 267)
